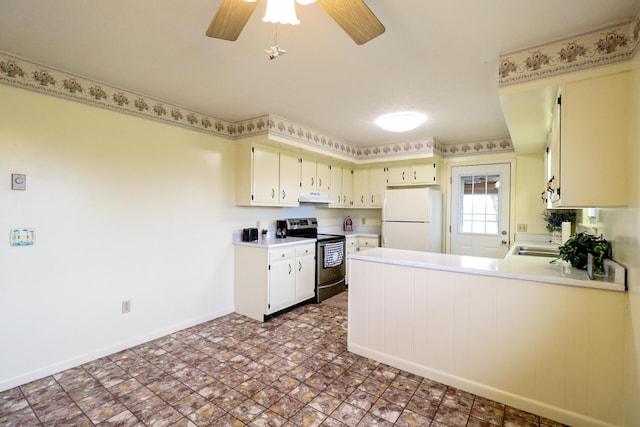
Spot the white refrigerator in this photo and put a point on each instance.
(412, 219)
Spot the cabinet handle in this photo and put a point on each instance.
(299, 266)
(319, 182)
(339, 198)
(283, 255)
(284, 195)
(372, 198)
(273, 193)
(312, 181)
(414, 175)
(344, 199)
(362, 199)
(290, 269)
(403, 175)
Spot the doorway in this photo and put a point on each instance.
(480, 202)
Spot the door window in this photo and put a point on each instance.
(479, 204)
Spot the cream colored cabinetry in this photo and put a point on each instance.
(305, 265)
(335, 187)
(314, 175)
(281, 282)
(266, 176)
(289, 179)
(270, 280)
(593, 142)
(357, 243)
(347, 187)
(412, 174)
(368, 187)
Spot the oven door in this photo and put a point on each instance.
(330, 261)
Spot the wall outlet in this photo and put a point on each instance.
(126, 306)
(522, 228)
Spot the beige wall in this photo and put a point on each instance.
(622, 227)
(123, 208)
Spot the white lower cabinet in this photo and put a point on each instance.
(268, 280)
(358, 243)
(305, 265)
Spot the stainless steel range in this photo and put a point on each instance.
(330, 256)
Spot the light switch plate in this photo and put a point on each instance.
(18, 181)
(22, 236)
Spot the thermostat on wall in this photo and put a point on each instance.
(22, 236)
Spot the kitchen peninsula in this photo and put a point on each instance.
(535, 335)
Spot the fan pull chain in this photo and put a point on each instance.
(275, 51)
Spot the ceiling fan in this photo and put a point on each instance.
(354, 16)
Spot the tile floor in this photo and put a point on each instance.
(293, 370)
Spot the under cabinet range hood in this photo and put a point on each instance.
(313, 197)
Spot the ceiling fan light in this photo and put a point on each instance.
(281, 12)
(401, 122)
(302, 2)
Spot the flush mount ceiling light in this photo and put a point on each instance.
(401, 122)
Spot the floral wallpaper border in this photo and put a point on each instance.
(19, 72)
(603, 46)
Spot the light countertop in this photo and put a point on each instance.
(537, 269)
(272, 242)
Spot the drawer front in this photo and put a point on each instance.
(280, 254)
(352, 242)
(305, 250)
(368, 242)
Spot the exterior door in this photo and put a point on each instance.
(480, 198)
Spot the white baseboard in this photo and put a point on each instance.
(60, 366)
(517, 401)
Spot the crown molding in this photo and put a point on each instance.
(603, 46)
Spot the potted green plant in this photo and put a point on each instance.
(264, 233)
(576, 248)
(555, 218)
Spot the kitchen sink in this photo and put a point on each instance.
(537, 251)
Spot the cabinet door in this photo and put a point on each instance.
(594, 132)
(347, 187)
(377, 185)
(305, 273)
(265, 176)
(281, 284)
(423, 173)
(289, 179)
(323, 176)
(336, 186)
(398, 175)
(308, 172)
(360, 188)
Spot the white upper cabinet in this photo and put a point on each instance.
(289, 179)
(265, 171)
(347, 187)
(335, 186)
(368, 187)
(315, 175)
(412, 174)
(266, 176)
(594, 133)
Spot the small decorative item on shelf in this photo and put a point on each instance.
(264, 233)
(554, 220)
(580, 245)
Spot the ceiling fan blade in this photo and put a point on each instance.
(355, 18)
(230, 19)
